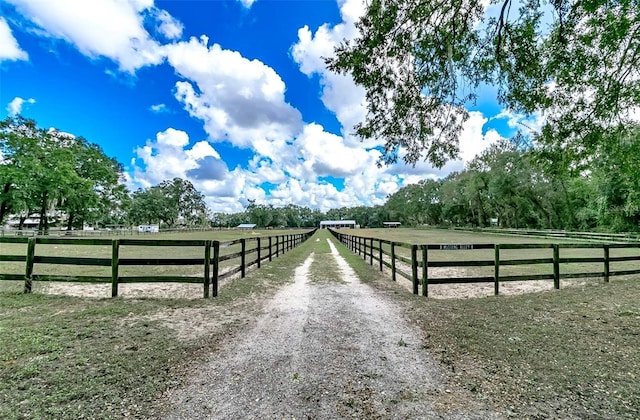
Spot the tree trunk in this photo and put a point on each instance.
(70, 222)
(5, 208)
(43, 225)
(569, 212)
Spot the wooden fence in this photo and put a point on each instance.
(627, 237)
(216, 259)
(129, 231)
(412, 261)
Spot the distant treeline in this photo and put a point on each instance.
(67, 181)
(513, 186)
(510, 185)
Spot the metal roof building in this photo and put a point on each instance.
(246, 226)
(391, 224)
(337, 224)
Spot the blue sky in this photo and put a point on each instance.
(232, 95)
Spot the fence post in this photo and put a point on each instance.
(556, 266)
(115, 262)
(371, 251)
(380, 253)
(414, 268)
(243, 257)
(277, 245)
(496, 270)
(606, 263)
(425, 272)
(31, 255)
(215, 262)
(258, 249)
(207, 267)
(270, 249)
(393, 261)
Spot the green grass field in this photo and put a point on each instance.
(435, 236)
(413, 236)
(572, 353)
(137, 252)
(67, 357)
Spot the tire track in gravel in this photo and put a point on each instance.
(322, 351)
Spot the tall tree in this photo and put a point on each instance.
(169, 203)
(260, 214)
(186, 201)
(149, 206)
(91, 199)
(422, 61)
(615, 183)
(416, 204)
(40, 168)
(45, 169)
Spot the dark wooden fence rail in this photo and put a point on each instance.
(561, 234)
(417, 258)
(217, 259)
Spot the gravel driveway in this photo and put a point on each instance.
(324, 351)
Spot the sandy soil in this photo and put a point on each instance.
(129, 290)
(331, 350)
(194, 291)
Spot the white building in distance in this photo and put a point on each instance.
(337, 224)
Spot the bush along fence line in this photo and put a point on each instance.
(402, 257)
(218, 260)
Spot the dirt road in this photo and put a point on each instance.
(324, 351)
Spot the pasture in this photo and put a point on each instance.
(526, 263)
(571, 353)
(139, 256)
(70, 357)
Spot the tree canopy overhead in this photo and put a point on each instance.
(574, 62)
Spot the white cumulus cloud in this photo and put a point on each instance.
(9, 48)
(238, 99)
(242, 101)
(339, 92)
(326, 154)
(113, 29)
(167, 25)
(15, 106)
(170, 155)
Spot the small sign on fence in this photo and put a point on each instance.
(455, 247)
